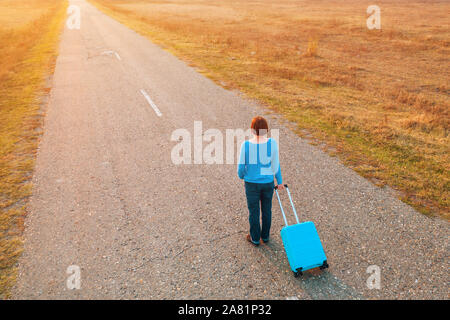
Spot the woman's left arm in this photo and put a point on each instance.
(241, 164)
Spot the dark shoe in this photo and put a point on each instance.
(265, 240)
(249, 239)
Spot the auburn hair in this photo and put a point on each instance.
(259, 123)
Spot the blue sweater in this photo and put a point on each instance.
(259, 162)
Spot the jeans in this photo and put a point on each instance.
(259, 193)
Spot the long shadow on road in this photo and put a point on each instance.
(319, 285)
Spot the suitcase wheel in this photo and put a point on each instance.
(324, 265)
(298, 272)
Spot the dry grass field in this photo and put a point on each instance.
(378, 99)
(29, 31)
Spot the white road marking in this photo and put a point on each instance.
(153, 105)
(110, 52)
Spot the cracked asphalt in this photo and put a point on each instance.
(108, 198)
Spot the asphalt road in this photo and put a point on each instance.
(108, 198)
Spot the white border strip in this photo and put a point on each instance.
(155, 108)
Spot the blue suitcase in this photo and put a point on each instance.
(301, 243)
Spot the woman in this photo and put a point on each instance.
(258, 164)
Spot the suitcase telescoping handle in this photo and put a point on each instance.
(281, 206)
